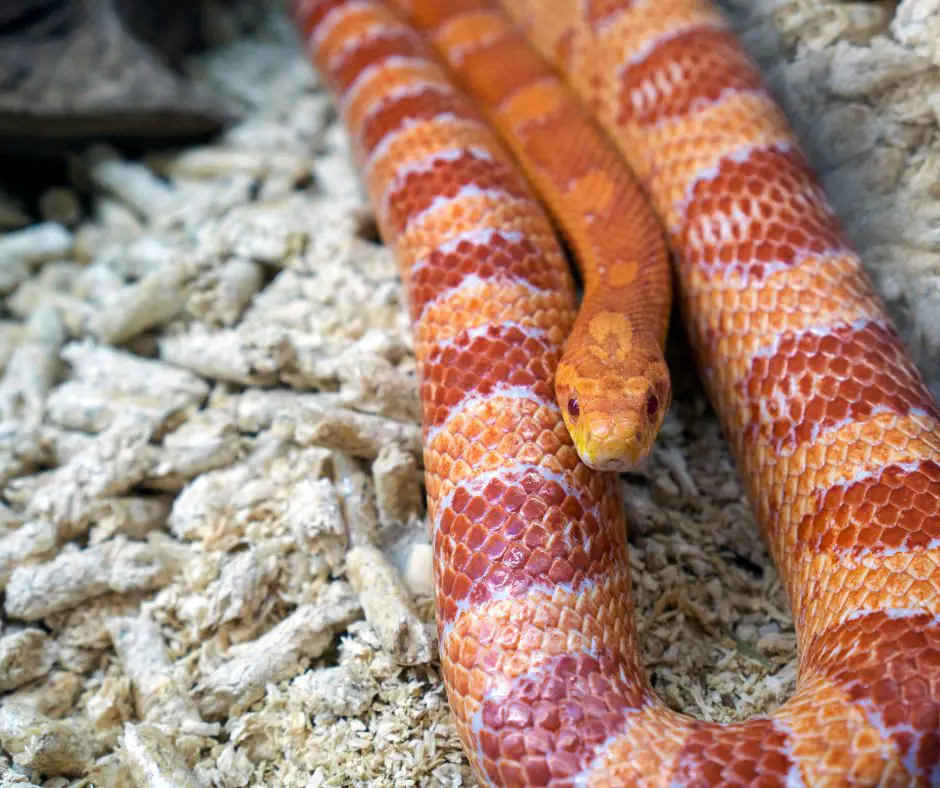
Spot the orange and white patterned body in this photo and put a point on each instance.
(531, 572)
(612, 383)
(834, 431)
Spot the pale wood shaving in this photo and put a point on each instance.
(388, 606)
(398, 493)
(153, 761)
(43, 744)
(115, 461)
(25, 655)
(313, 513)
(305, 634)
(32, 368)
(23, 249)
(119, 565)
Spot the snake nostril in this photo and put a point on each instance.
(652, 405)
(574, 408)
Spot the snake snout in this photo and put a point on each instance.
(608, 443)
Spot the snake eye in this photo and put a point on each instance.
(574, 409)
(652, 405)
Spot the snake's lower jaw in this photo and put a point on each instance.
(618, 455)
(611, 465)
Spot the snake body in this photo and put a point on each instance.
(833, 428)
(612, 383)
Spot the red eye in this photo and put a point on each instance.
(652, 405)
(574, 409)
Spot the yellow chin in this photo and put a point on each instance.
(613, 453)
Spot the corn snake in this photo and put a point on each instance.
(831, 425)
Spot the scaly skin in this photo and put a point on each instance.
(524, 533)
(612, 382)
(833, 428)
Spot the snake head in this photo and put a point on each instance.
(613, 402)
(615, 431)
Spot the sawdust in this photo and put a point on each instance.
(212, 544)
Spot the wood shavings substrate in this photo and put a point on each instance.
(212, 546)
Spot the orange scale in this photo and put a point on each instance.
(462, 554)
(350, 25)
(369, 51)
(458, 679)
(562, 572)
(494, 547)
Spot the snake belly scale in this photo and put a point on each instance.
(832, 426)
